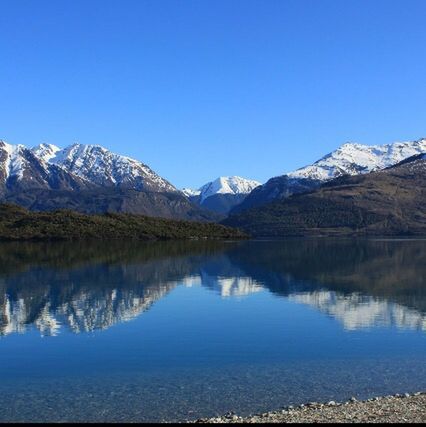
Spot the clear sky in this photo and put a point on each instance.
(202, 88)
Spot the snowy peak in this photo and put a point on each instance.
(354, 159)
(12, 161)
(45, 152)
(224, 185)
(45, 165)
(100, 166)
(23, 169)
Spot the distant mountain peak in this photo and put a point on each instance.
(222, 194)
(224, 185)
(228, 185)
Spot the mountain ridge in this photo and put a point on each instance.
(89, 179)
(354, 159)
(101, 166)
(349, 159)
(387, 202)
(91, 163)
(93, 179)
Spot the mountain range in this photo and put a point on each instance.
(235, 194)
(92, 179)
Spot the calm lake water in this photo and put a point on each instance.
(174, 331)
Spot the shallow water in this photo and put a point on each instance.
(173, 331)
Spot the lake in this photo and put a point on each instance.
(110, 331)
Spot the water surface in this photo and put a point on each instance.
(173, 331)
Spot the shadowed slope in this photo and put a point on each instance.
(388, 202)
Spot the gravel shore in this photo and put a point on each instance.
(389, 409)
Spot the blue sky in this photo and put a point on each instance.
(202, 88)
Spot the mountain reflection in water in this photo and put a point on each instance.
(83, 287)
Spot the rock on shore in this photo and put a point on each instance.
(389, 409)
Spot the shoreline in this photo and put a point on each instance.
(387, 409)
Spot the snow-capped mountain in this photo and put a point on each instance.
(354, 159)
(92, 164)
(21, 169)
(88, 178)
(386, 202)
(102, 167)
(223, 193)
(349, 159)
(223, 185)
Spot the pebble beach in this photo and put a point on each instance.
(406, 408)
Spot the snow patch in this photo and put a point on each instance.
(190, 193)
(45, 152)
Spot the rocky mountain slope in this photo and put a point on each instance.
(349, 159)
(88, 178)
(222, 194)
(21, 169)
(387, 202)
(354, 159)
(100, 166)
